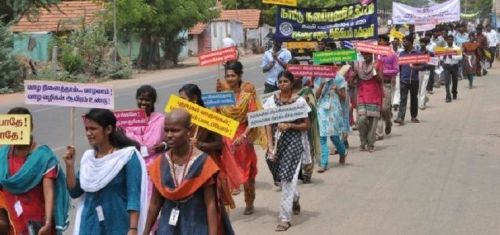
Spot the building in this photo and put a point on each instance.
(32, 36)
(204, 37)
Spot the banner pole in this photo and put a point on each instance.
(72, 126)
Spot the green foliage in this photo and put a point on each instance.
(156, 20)
(49, 74)
(120, 70)
(10, 70)
(92, 43)
(72, 61)
(13, 9)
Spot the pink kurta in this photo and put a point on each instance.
(150, 135)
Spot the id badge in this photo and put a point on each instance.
(100, 213)
(144, 151)
(174, 217)
(19, 208)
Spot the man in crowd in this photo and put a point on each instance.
(408, 82)
(274, 61)
(492, 37)
(450, 66)
(388, 70)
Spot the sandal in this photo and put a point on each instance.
(362, 148)
(371, 149)
(236, 192)
(296, 207)
(322, 170)
(283, 226)
(248, 210)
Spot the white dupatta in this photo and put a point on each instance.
(96, 173)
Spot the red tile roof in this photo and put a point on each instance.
(68, 15)
(250, 18)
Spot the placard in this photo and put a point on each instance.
(414, 59)
(396, 34)
(204, 117)
(218, 56)
(68, 94)
(424, 27)
(433, 61)
(15, 129)
(442, 51)
(354, 21)
(323, 71)
(291, 3)
(280, 114)
(440, 13)
(372, 48)
(300, 45)
(218, 99)
(131, 118)
(328, 57)
(266, 96)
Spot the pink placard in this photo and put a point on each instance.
(371, 48)
(68, 94)
(218, 56)
(131, 118)
(324, 71)
(414, 59)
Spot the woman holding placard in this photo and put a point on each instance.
(33, 194)
(287, 147)
(241, 146)
(150, 137)
(111, 182)
(230, 176)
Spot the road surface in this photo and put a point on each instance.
(436, 177)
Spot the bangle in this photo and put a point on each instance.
(133, 229)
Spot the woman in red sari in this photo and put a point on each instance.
(241, 145)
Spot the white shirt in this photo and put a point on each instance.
(454, 59)
(228, 42)
(492, 38)
(272, 75)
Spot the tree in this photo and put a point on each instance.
(159, 22)
(269, 11)
(11, 10)
(9, 67)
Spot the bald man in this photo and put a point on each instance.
(184, 182)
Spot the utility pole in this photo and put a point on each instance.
(115, 52)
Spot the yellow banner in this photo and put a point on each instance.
(292, 3)
(15, 129)
(396, 34)
(439, 51)
(204, 117)
(301, 45)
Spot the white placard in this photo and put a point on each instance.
(433, 61)
(266, 96)
(280, 114)
(448, 11)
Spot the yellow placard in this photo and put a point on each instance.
(301, 45)
(292, 3)
(396, 34)
(15, 129)
(204, 117)
(440, 50)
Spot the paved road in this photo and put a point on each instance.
(436, 177)
(52, 123)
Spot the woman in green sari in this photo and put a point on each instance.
(313, 133)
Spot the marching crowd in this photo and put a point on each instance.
(173, 177)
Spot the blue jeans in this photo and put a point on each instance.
(325, 151)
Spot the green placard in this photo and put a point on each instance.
(327, 57)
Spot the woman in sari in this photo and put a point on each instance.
(211, 143)
(369, 101)
(312, 137)
(33, 195)
(112, 181)
(287, 148)
(241, 145)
